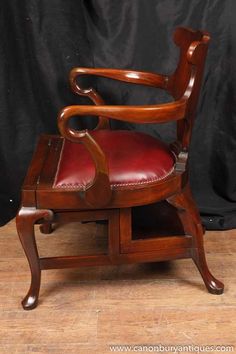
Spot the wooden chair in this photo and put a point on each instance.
(103, 174)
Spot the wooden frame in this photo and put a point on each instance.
(41, 203)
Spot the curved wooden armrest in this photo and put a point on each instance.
(131, 76)
(160, 113)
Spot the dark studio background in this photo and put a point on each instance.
(42, 40)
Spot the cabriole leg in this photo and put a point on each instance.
(25, 220)
(192, 223)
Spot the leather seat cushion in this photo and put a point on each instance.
(133, 159)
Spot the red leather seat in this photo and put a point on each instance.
(133, 158)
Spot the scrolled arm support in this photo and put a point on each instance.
(98, 193)
(103, 122)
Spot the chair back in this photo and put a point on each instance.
(187, 78)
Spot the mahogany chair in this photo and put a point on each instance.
(103, 174)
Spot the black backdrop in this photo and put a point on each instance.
(42, 40)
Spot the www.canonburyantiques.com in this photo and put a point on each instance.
(161, 348)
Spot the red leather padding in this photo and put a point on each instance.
(133, 158)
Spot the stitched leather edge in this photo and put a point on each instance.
(116, 185)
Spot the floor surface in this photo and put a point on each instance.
(89, 309)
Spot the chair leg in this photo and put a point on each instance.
(25, 221)
(46, 228)
(192, 223)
